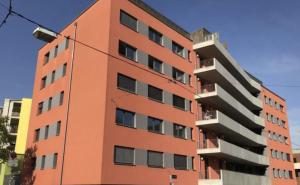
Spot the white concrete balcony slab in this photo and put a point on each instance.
(297, 166)
(231, 152)
(212, 70)
(236, 178)
(212, 48)
(221, 124)
(216, 96)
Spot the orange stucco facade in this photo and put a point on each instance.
(82, 150)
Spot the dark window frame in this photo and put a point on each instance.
(152, 123)
(46, 58)
(177, 49)
(122, 21)
(61, 97)
(176, 73)
(40, 108)
(176, 156)
(153, 62)
(43, 161)
(155, 36)
(47, 132)
(153, 92)
(179, 133)
(43, 82)
(37, 134)
(124, 113)
(127, 47)
(153, 165)
(124, 163)
(122, 87)
(176, 102)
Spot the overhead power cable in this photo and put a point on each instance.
(8, 13)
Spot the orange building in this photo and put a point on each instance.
(139, 100)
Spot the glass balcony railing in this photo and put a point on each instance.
(209, 114)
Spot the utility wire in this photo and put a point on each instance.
(8, 13)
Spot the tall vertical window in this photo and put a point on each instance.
(56, 51)
(61, 98)
(50, 103)
(126, 83)
(46, 132)
(55, 160)
(178, 75)
(37, 134)
(155, 36)
(52, 76)
(43, 82)
(40, 108)
(58, 125)
(125, 118)
(127, 51)
(128, 20)
(155, 125)
(155, 159)
(177, 49)
(64, 69)
(178, 102)
(43, 162)
(67, 42)
(155, 64)
(180, 162)
(155, 93)
(124, 155)
(179, 131)
(46, 58)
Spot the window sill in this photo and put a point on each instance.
(124, 164)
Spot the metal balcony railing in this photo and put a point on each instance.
(208, 143)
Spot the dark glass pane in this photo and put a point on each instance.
(124, 155)
(128, 21)
(180, 162)
(119, 116)
(155, 159)
(178, 102)
(155, 93)
(179, 131)
(126, 83)
(155, 64)
(129, 119)
(155, 36)
(130, 52)
(178, 75)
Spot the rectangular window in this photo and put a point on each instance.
(55, 160)
(177, 49)
(61, 98)
(155, 64)
(46, 132)
(36, 135)
(178, 102)
(58, 128)
(46, 58)
(125, 118)
(155, 159)
(178, 75)
(126, 83)
(155, 36)
(179, 131)
(43, 162)
(52, 76)
(124, 155)
(56, 51)
(40, 108)
(155, 93)
(67, 42)
(128, 20)
(180, 162)
(64, 69)
(155, 125)
(43, 82)
(50, 103)
(127, 51)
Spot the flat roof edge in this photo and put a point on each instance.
(147, 8)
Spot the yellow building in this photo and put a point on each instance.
(18, 112)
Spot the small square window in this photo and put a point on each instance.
(177, 49)
(124, 155)
(155, 93)
(155, 159)
(178, 102)
(127, 51)
(155, 64)
(125, 118)
(178, 75)
(128, 20)
(126, 83)
(179, 131)
(180, 162)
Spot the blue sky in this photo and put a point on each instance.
(263, 36)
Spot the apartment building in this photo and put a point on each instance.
(296, 160)
(139, 100)
(18, 112)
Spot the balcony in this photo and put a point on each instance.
(236, 178)
(219, 123)
(212, 70)
(297, 166)
(215, 96)
(211, 47)
(219, 148)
